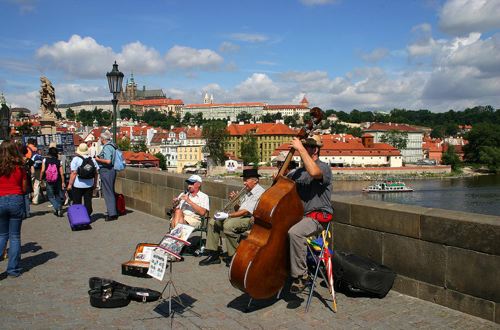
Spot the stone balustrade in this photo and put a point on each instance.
(446, 257)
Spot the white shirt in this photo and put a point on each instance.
(81, 183)
(200, 199)
(249, 201)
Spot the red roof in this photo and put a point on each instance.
(261, 129)
(216, 105)
(391, 127)
(290, 106)
(131, 156)
(155, 102)
(351, 147)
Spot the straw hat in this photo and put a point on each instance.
(82, 149)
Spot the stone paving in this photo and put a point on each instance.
(52, 292)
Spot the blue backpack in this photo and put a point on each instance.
(118, 161)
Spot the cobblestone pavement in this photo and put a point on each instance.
(52, 292)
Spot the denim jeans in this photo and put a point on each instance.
(27, 201)
(12, 213)
(54, 194)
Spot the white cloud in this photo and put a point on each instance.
(180, 57)
(249, 37)
(375, 55)
(255, 88)
(140, 59)
(25, 6)
(77, 57)
(228, 47)
(317, 2)
(465, 16)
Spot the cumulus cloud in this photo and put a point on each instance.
(249, 37)
(256, 87)
(375, 55)
(460, 17)
(317, 2)
(77, 57)
(188, 58)
(140, 59)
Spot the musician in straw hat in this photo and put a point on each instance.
(314, 186)
(232, 224)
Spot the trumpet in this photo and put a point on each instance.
(176, 203)
(234, 200)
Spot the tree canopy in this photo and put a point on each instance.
(215, 134)
(249, 150)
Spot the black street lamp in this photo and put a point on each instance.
(115, 78)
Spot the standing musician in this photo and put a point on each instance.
(314, 186)
(233, 223)
(193, 205)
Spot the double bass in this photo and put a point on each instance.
(261, 263)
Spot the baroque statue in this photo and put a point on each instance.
(47, 98)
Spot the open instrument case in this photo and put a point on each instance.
(139, 264)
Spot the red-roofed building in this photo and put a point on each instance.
(224, 110)
(286, 109)
(269, 136)
(352, 152)
(413, 151)
(164, 105)
(140, 159)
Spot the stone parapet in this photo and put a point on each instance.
(447, 257)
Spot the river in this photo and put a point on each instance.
(478, 194)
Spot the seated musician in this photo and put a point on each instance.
(234, 223)
(314, 186)
(192, 206)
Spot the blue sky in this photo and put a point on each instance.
(341, 54)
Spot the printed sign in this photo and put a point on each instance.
(158, 264)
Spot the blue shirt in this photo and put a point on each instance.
(81, 183)
(108, 153)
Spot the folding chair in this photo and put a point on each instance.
(202, 229)
(321, 254)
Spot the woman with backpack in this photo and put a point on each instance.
(51, 167)
(83, 177)
(12, 210)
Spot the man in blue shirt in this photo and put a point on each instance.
(108, 174)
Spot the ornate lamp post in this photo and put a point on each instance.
(115, 78)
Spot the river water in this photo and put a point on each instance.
(479, 194)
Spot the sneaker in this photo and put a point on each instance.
(49, 205)
(299, 284)
(228, 260)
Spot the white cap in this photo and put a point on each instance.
(194, 178)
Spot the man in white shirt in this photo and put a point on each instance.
(193, 204)
(233, 224)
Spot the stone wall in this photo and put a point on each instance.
(446, 257)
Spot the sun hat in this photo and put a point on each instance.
(82, 149)
(194, 178)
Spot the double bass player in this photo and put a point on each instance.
(314, 186)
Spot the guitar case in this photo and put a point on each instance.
(134, 293)
(361, 275)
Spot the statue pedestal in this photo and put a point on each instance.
(47, 126)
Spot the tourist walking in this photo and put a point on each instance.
(12, 209)
(37, 160)
(28, 164)
(83, 177)
(51, 167)
(108, 174)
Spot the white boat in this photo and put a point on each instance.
(388, 186)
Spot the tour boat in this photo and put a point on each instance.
(388, 186)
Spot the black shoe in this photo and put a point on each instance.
(108, 218)
(228, 260)
(299, 284)
(60, 213)
(212, 259)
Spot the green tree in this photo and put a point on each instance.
(481, 135)
(124, 144)
(85, 117)
(490, 156)
(395, 138)
(450, 157)
(290, 121)
(163, 161)
(244, 116)
(215, 133)
(70, 114)
(249, 150)
(128, 113)
(140, 146)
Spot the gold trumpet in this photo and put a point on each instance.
(234, 200)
